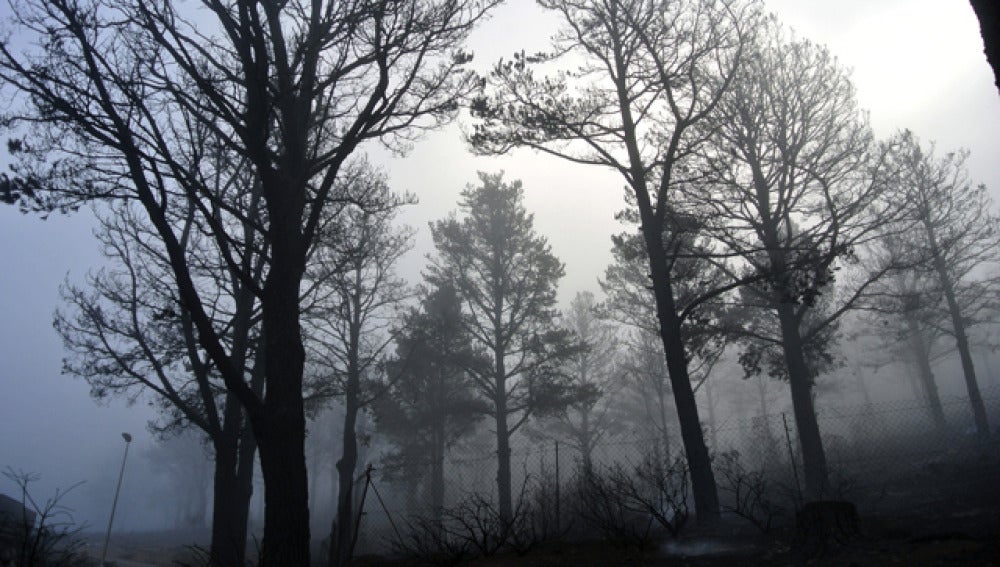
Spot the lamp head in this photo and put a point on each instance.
(127, 437)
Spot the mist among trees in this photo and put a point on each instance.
(776, 265)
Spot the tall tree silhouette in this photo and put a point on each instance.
(109, 94)
(645, 74)
(506, 276)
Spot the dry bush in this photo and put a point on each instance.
(45, 534)
(750, 495)
(624, 503)
(602, 506)
(475, 528)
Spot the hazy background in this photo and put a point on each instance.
(917, 64)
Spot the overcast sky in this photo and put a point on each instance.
(917, 64)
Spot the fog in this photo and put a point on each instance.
(916, 65)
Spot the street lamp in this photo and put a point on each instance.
(107, 536)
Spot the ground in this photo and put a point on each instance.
(972, 540)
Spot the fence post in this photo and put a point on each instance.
(791, 457)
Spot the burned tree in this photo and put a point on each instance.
(506, 276)
(958, 240)
(794, 195)
(350, 306)
(108, 93)
(650, 73)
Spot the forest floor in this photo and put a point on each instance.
(971, 538)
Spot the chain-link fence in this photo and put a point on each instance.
(890, 457)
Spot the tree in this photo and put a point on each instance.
(431, 404)
(651, 72)
(903, 319)
(646, 398)
(988, 14)
(353, 299)
(506, 276)
(794, 196)
(109, 95)
(181, 459)
(588, 419)
(127, 335)
(699, 290)
(958, 239)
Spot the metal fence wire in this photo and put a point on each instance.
(887, 457)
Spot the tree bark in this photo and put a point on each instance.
(286, 499)
(280, 430)
(926, 374)
(342, 531)
(961, 339)
(988, 12)
(800, 378)
(437, 471)
(227, 529)
(706, 495)
(586, 443)
(504, 498)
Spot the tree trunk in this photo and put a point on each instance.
(988, 13)
(926, 374)
(244, 485)
(800, 378)
(280, 430)
(342, 531)
(504, 498)
(706, 495)
(961, 339)
(224, 548)
(230, 505)
(437, 471)
(286, 499)
(343, 528)
(586, 443)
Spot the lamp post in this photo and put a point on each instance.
(107, 536)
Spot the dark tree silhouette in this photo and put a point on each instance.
(647, 74)
(988, 12)
(430, 404)
(127, 334)
(109, 95)
(958, 240)
(506, 276)
(794, 196)
(903, 322)
(353, 298)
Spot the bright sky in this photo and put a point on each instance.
(917, 64)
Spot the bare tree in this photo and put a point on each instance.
(959, 240)
(903, 319)
(648, 72)
(794, 196)
(353, 301)
(108, 93)
(128, 335)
